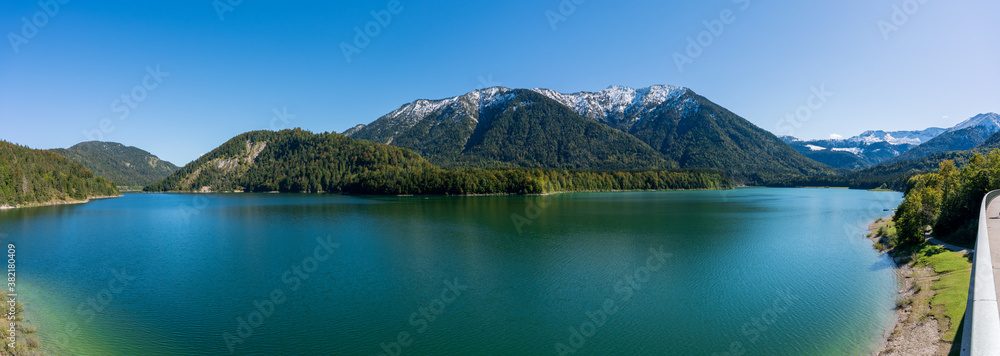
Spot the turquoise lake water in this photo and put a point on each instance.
(751, 271)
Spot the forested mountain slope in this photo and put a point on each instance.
(301, 161)
(32, 177)
(127, 166)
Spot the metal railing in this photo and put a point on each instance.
(981, 334)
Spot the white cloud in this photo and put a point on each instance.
(835, 137)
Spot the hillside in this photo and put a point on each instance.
(698, 133)
(618, 128)
(127, 166)
(289, 160)
(33, 177)
(301, 161)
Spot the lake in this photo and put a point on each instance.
(752, 271)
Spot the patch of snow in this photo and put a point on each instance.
(853, 150)
(617, 103)
(491, 96)
(816, 148)
(898, 137)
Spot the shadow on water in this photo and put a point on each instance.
(29, 214)
(883, 263)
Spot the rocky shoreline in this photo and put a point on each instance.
(915, 331)
(61, 202)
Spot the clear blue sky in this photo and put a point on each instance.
(228, 75)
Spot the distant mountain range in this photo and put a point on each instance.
(894, 174)
(502, 140)
(865, 150)
(875, 147)
(127, 166)
(618, 128)
(966, 135)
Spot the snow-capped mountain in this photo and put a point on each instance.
(462, 131)
(617, 106)
(620, 127)
(988, 121)
(878, 146)
(966, 135)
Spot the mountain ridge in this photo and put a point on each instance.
(874, 147)
(127, 166)
(301, 161)
(952, 140)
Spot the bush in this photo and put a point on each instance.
(902, 302)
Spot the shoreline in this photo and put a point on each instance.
(450, 195)
(902, 334)
(914, 330)
(61, 202)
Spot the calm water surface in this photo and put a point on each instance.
(757, 271)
